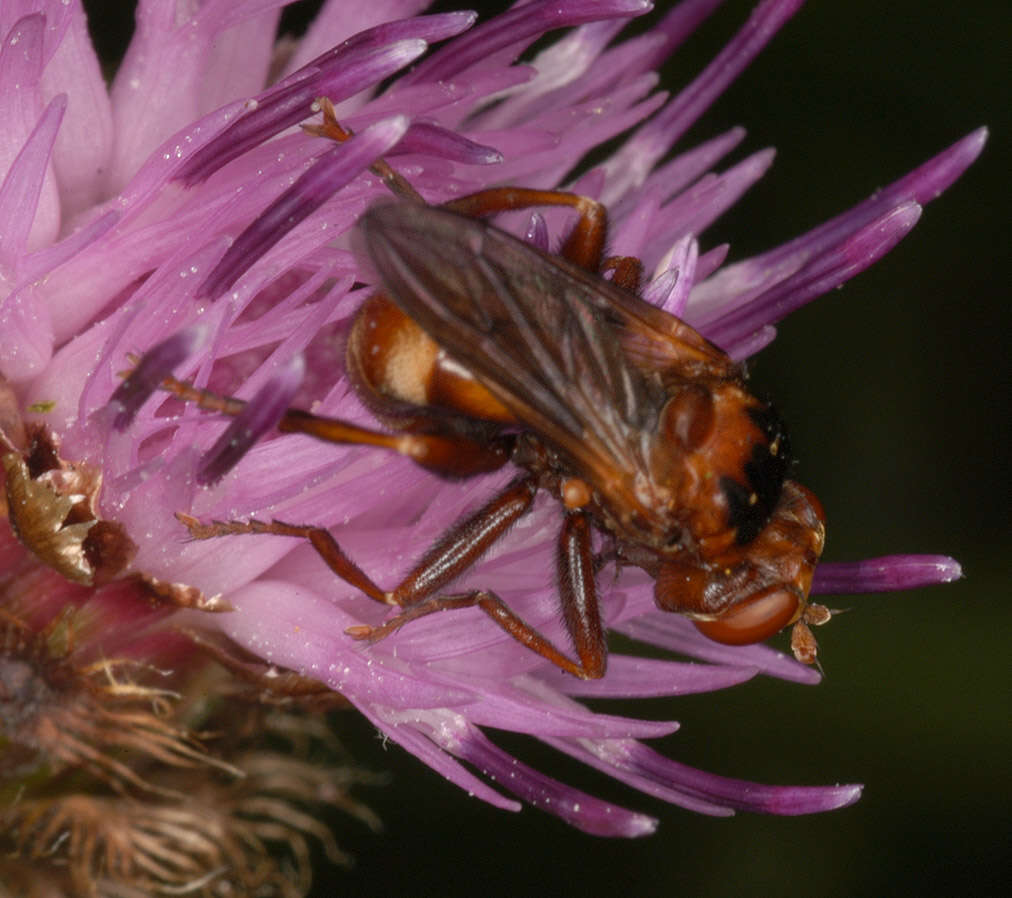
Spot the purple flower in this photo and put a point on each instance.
(183, 214)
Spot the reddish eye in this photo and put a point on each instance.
(765, 614)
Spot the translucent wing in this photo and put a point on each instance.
(582, 362)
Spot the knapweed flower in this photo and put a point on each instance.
(183, 218)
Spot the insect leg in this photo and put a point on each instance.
(464, 543)
(454, 455)
(585, 244)
(331, 129)
(496, 609)
(627, 271)
(578, 591)
(326, 546)
(579, 602)
(453, 553)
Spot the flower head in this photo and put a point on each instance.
(184, 218)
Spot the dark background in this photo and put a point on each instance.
(897, 392)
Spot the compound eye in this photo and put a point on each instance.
(758, 618)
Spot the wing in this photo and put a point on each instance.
(571, 355)
(655, 341)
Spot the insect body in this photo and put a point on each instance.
(636, 423)
(482, 350)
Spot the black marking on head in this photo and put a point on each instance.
(751, 503)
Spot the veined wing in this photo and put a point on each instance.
(571, 355)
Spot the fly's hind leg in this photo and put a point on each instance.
(453, 455)
(626, 271)
(585, 244)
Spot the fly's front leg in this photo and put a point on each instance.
(452, 554)
(575, 565)
(319, 537)
(578, 591)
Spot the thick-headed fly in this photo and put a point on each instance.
(482, 350)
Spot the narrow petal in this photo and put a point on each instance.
(928, 181)
(749, 344)
(697, 790)
(561, 75)
(341, 72)
(21, 58)
(630, 677)
(890, 572)
(530, 705)
(586, 813)
(711, 260)
(582, 128)
(433, 140)
(332, 171)
(26, 139)
(655, 138)
(23, 185)
(42, 261)
(280, 108)
(740, 282)
(515, 30)
(157, 364)
(825, 272)
(701, 204)
(636, 179)
(414, 731)
(259, 415)
(678, 25)
(84, 143)
(337, 22)
(430, 29)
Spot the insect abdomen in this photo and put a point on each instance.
(399, 368)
